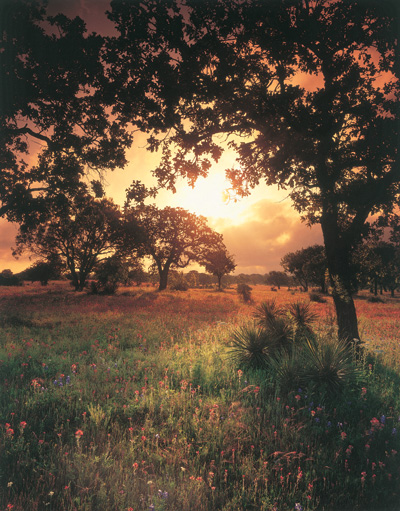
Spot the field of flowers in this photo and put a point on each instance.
(131, 403)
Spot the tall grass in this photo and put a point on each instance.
(132, 403)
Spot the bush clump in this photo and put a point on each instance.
(244, 291)
(316, 297)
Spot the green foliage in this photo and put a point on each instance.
(267, 313)
(178, 282)
(302, 317)
(250, 347)
(110, 273)
(80, 231)
(331, 368)
(64, 121)
(45, 270)
(218, 263)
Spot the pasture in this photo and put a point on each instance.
(132, 402)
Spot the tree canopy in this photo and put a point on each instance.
(172, 237)
(218, 263)
(55, 127)
(308, 266)
(80, 234)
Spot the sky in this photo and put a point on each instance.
(258, 230)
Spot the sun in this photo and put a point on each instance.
(209, 197)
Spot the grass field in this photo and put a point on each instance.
(131, 402)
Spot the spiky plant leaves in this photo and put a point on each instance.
(251, 347)
(331, 366)
(289, 369)
(267, 313)
(281, 333)
(302, 314)
(302, 317)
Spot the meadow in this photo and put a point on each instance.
(133, 402)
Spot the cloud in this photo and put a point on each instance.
(8, 231)
(268, 231)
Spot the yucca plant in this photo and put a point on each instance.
(278, 328)
(267, 313)
(288, 369)
(331, 366)
(281, 333)
(251, 347)
(303, 317)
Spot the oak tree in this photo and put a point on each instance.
(171, 237)
(55, 123)
(218, 263)
(80, 234)
(305, 91)
(308, 266)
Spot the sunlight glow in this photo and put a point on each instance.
(209, 197)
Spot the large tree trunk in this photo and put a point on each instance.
(339, 255)
(163, 272)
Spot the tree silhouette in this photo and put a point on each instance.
(80, 234)
(306, 92)
(54, 124)
(307, 265)
(172, 237)
(44, 270)
(218, 263)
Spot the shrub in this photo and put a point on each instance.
(267, 313)
(375, 299)
(251, 347)
(110, 273)
(316, 297)
(302, 317)
(288, 369)
(178, 282)
(7, 278)
(245, 292)
(331, 367)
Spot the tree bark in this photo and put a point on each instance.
(338, 256)
(163, 272)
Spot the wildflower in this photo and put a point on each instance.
(297, 397)
(135, 466)
(10, 484)
(363, 391)
(143, 438)
(343, 435)
(9, 432)
(394, 431)
(298, 507)
(382, 419)
(363, 476)
(374, 422)
(22, 424)
(79, 433)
